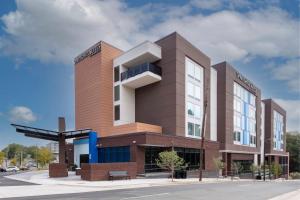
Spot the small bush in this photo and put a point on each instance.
(295, 175)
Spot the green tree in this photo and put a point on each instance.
(44, 156)
(276, 169)
(219, 165)
(293, 147)
(13, 162)
(236, 168)
(2, 156)
(171, 161)
(31, 151)
(12, 150)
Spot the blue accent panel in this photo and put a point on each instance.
(114, 154)
(93, 151)
(81, 141)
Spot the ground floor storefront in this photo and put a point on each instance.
(143, 149)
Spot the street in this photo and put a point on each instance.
(236, 190)
(10, 182)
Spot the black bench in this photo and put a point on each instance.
(118, 174)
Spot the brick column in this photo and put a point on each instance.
(62, 148)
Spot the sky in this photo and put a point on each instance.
(39, 40)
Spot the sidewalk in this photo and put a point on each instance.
(73, 184)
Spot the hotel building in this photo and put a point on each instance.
(151, 98)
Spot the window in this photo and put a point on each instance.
(114, 154)
(197, 74)
(197, 130)
(194, 98)
(190, 128)
(244, 114)
(117, 112)
(190, 89)
(117, 74)
(197, 92)
(237, 136)
(190, 109)
(117, 93)
(197, 111)
(190, 66)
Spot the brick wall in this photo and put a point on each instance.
(97, 172)
(58, 170)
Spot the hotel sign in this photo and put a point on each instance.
(246, 81)
(88, 53)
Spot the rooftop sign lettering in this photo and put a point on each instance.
(88, 53)
(246, 81)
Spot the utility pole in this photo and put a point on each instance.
(202, 140)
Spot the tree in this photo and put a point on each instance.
(219, 165)
(44, 156)
(293, 147)
(2, 156)
(171, 161)
(12, 150)
(276, 169)
(13, 162)
(236, 167)
(255, 169)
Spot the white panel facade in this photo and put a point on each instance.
(213, 104)
(262, 136)
(78, 150)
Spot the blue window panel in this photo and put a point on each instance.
(114, 154)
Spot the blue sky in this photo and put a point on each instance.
(39, 39)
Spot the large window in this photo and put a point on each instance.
(114, 154)
(244, 118)
(277, 131)
(194, 98)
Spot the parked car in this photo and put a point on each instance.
(2, 169)
(12, 169)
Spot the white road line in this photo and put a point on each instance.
(145, 196)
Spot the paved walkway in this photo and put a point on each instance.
(73, 184)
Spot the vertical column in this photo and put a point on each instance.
(62, 148)
(93, 150)
(62, 140)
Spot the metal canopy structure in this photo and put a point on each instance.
(59, 136)
(48, 134)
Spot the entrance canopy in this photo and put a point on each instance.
(48, 134)
(59, 136)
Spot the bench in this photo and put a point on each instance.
(118, 174)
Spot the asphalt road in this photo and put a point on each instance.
(9, 182)
(214, 191)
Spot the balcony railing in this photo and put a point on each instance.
(139, 69)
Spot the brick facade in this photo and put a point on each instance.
(96, 172)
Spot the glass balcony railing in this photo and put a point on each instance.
(139, 69)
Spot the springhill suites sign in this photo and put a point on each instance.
(88, 53)
(246, 81)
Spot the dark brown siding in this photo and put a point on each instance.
(270, 106)
(227, 75)
(163, 103)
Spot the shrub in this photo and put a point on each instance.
(295, 175)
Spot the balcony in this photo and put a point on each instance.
(142, 53)
(141, 75)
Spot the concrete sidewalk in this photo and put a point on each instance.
(73, 184)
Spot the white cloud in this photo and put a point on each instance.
(218, 4)
(292, 108)
(289, 72)
(22, 114)
(59, 30)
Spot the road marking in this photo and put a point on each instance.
(145, 196)
(244, 185)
